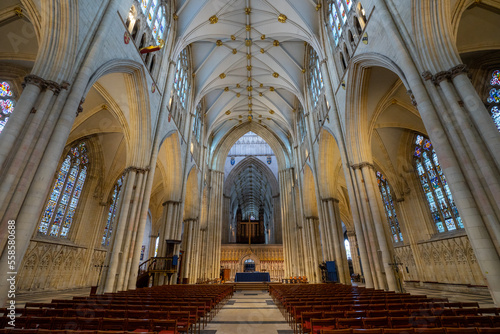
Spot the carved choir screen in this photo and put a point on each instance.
(437, 192)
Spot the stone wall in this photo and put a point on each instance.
(55, 266)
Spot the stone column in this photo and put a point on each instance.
(226, 220)
(141, 218)
(32, 87)
(214, 224)
(113, 258)
(338, 242)
(285, 180)
(326, 234)
(355, 201)
(353, 243)
(386, 247)
(278, 229)
(130, 232)
(369, 232)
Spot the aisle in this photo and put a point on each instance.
(249, 312)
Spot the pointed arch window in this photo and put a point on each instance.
(156, 18)
(337, 16)
(6, 103)
(494, 97)
(181, 83)
(390, 210)
(61, 207)
(437, 192)
(315, 79)
(108, 229)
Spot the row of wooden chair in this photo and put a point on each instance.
(311, 323)
(338, 306)
(181, 325)
(57, 331)
(414, 331)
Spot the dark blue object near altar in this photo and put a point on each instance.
(252, 277)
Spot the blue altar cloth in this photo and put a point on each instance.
(252, 277)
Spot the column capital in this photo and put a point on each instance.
(171, 202)
(332, 199)
(351, 234)
(53, 86)
(33, 80)
(445, 75)
(363, 164)
(136, 169)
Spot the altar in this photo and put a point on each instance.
(252, 277)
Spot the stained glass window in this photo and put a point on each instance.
(314, 76)
(337, 17)
(144, 6)
(437, 192)
(181, 83)
(340, 6)
(349, 4)
(494, 97)
(151, 13)
(63, 201)
(108, 229)
(390, 210)
(6, 104)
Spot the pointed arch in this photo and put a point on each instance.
(222, 149)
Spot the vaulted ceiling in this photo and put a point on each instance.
(248, 59)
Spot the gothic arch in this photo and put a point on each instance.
(260, 166)
(249, 256)
(222, 149)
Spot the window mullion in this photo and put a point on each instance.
(445, 195)
(70, 198)
(61, 194)
(433, 192)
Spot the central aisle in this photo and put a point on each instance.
(249, 312)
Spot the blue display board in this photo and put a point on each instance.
(331, 269)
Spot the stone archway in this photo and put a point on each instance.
(252, 257)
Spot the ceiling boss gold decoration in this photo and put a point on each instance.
(213, 19)
(219, 42)
(282, 18)
(276, 75)
(222, 75)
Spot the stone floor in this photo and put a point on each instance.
(251, 312)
